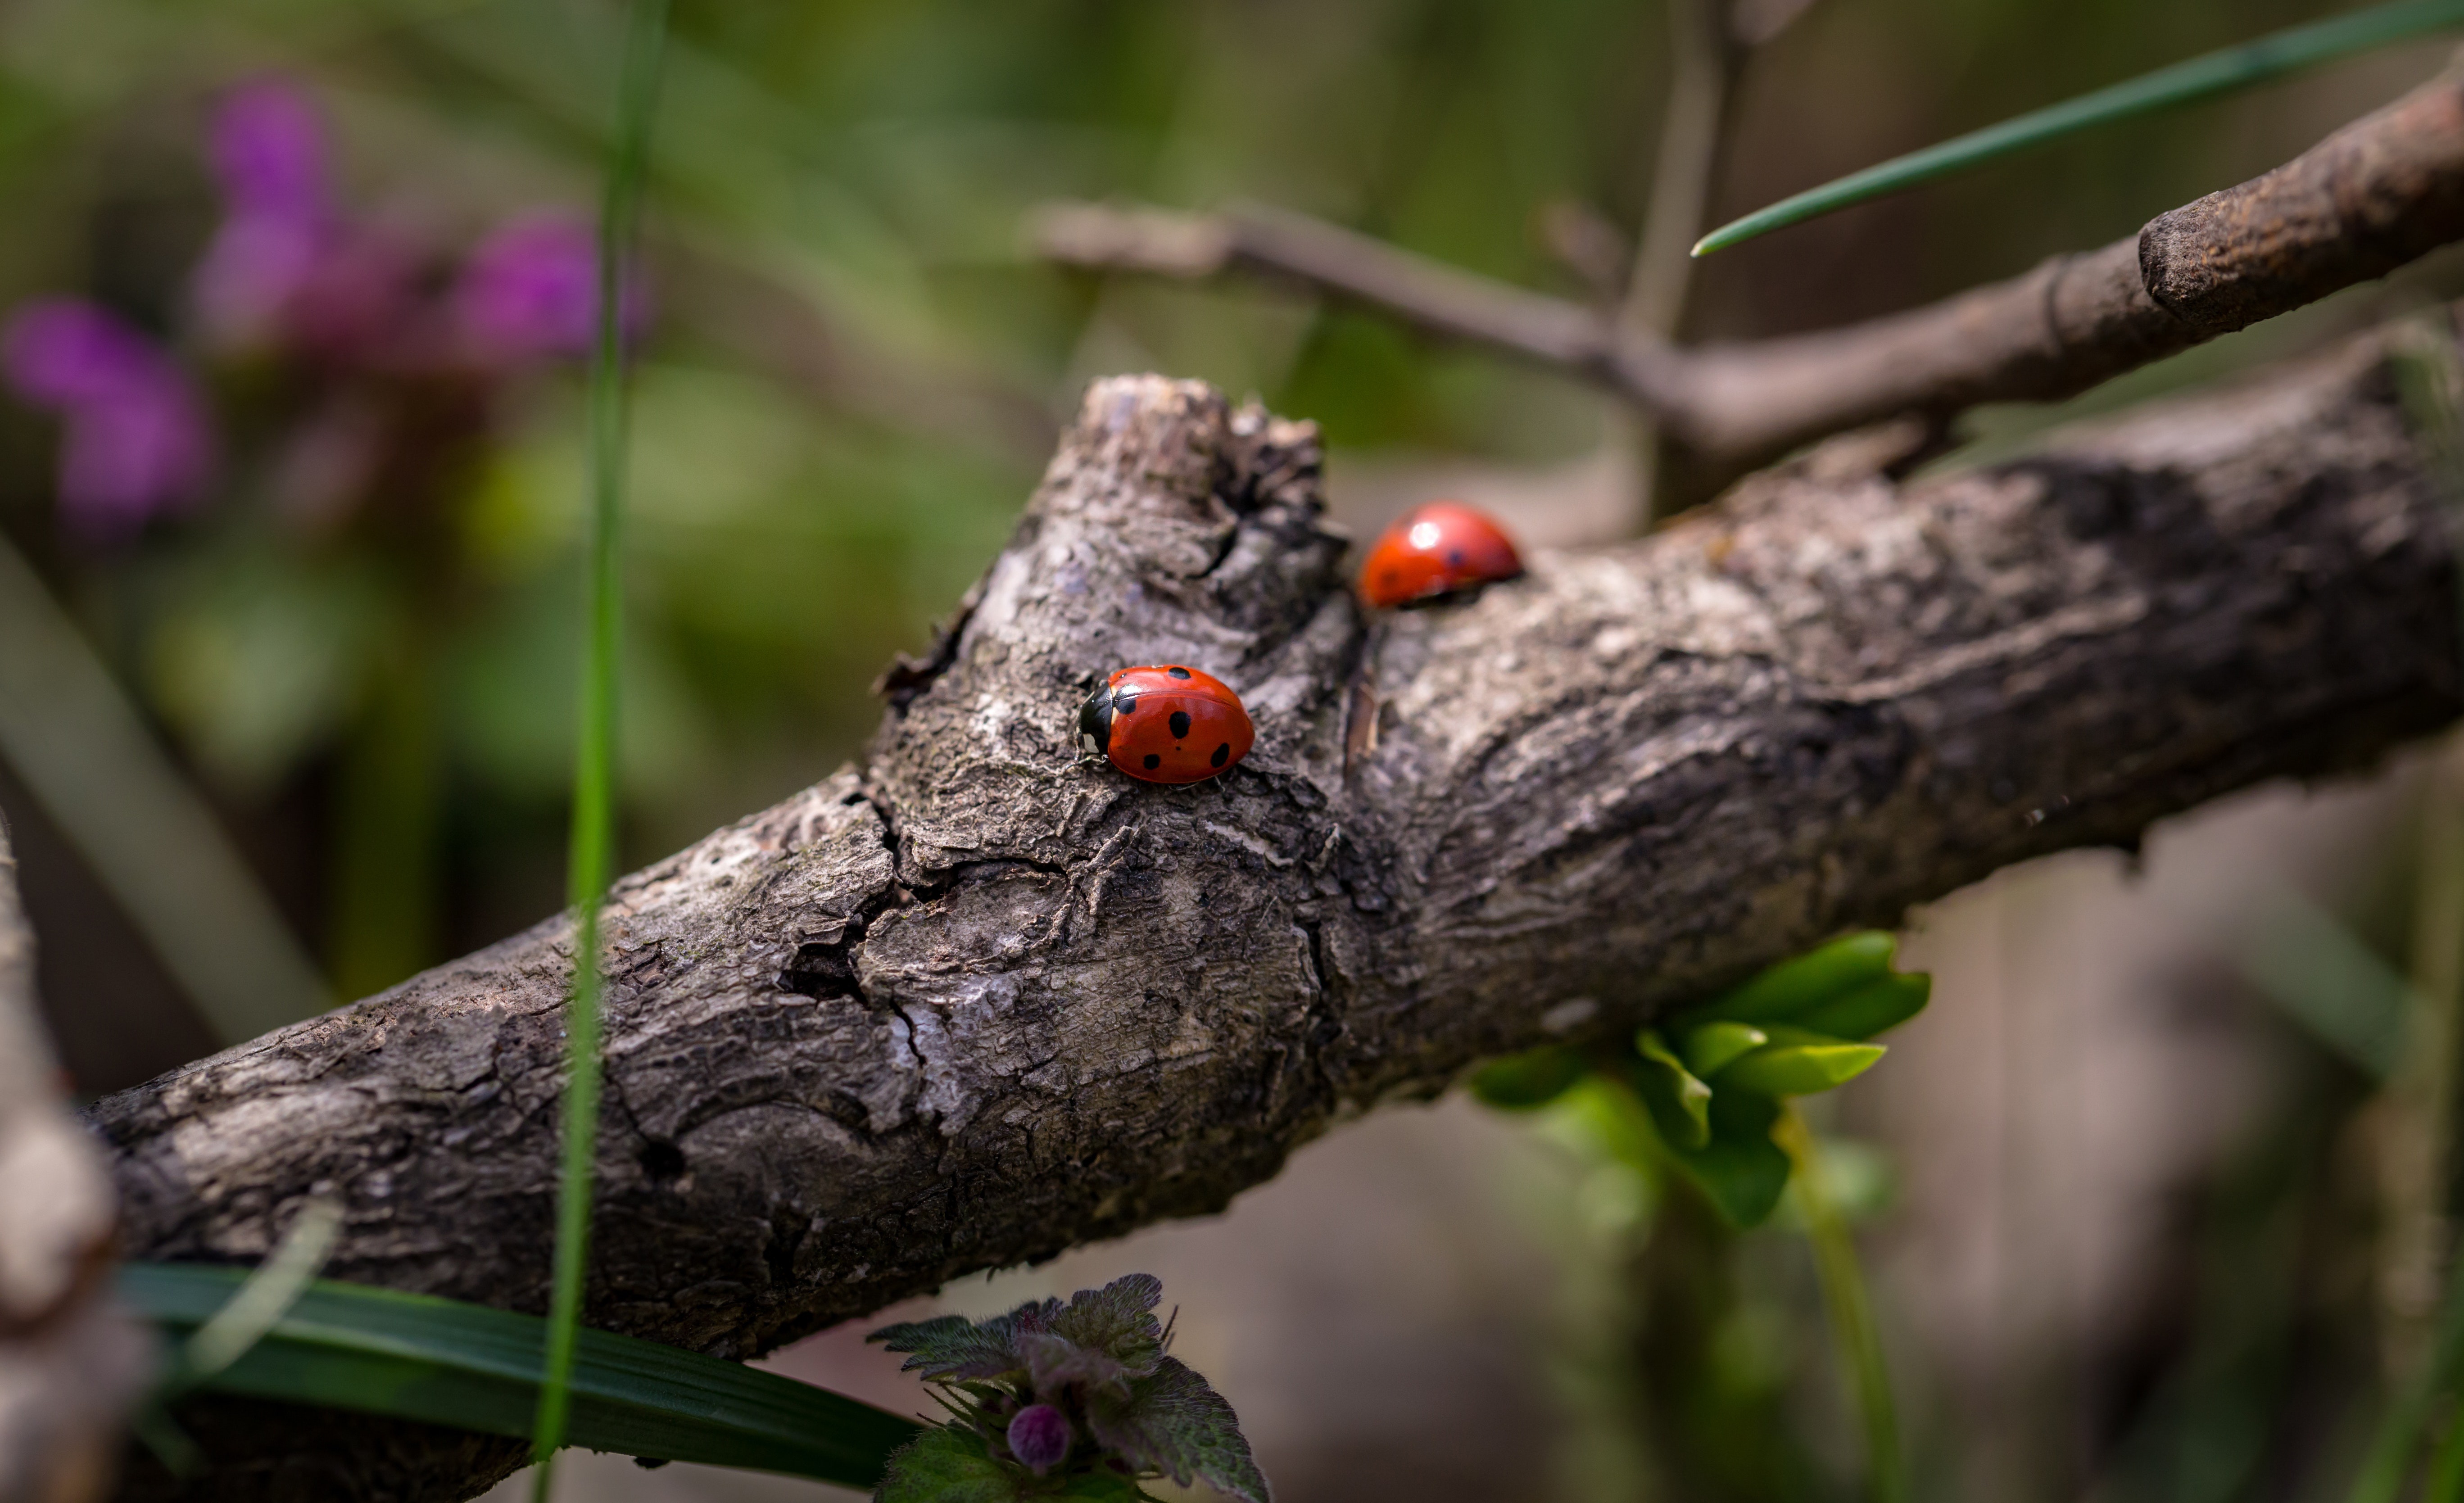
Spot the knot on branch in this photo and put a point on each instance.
(1169, 527)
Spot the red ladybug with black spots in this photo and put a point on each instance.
(1431, 552)
(1166, 723)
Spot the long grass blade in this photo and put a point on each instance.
(2182, 83)
(594, 793)
(84, 752)
(260, 1303)
(417, 1356)
(1852, 1312)
(2393, 1449)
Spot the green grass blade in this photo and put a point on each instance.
(2184, 82)
(417, 1356)
(592, 861)
(263, 1298)
(1852, 1312)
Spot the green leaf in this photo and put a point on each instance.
(1871, 1009)
(1101, 1486)
(1173, 1422)
(1117, 1321)
(1798, 1063)
(1679, 1103)
(2184, 82)
(416, 1357)
(1709, 1047)
(955, 1349)
(947, 1465)
(1740, 1168)
(1519, 1082)
(1792, 986)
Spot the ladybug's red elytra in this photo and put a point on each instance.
(1166, 723)
(1437, 550)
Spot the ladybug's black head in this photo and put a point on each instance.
(1095, 721)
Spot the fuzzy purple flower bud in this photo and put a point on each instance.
(531, 289)
(1039, 1437)
(137, 438)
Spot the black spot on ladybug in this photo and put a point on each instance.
(1177, 672)
(1180, 724)
(1123, 704)
(1454, 558)
(1222, 753)
(1153, 762)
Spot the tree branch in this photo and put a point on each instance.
(2375, 195)
(70, 1363)
(981, 1000)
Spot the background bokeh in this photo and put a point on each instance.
(2135, 1248)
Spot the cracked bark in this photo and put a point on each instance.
(979, 1000)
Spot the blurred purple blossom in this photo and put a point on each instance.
(531, 289)
(137, 440)
(285, 264)
(269, 150)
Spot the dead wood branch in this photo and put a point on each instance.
(70, 1363)
(981, 1001)
(2375, 195)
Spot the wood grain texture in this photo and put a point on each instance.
(981, 1000)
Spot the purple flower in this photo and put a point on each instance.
(531, 289)
(284, 264)
(136, 441)
(269, 150)
(1039, 1436)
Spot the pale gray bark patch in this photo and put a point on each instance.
(72, 1362)
(985, 999)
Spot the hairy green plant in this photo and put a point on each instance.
(2187, 82)
(1064, 1401)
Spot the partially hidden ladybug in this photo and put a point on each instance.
(1166, 723)
(1435, 551)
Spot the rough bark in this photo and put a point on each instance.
(69, 1360)
(980, 1000)
(2375, 195)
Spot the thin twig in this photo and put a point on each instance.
(2377, 194)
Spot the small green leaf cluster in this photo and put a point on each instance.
(1711, 1077)
(1064, 1401)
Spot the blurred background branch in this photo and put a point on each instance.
(70, 1363)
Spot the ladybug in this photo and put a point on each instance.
(1165, 724)
(1437, 550)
